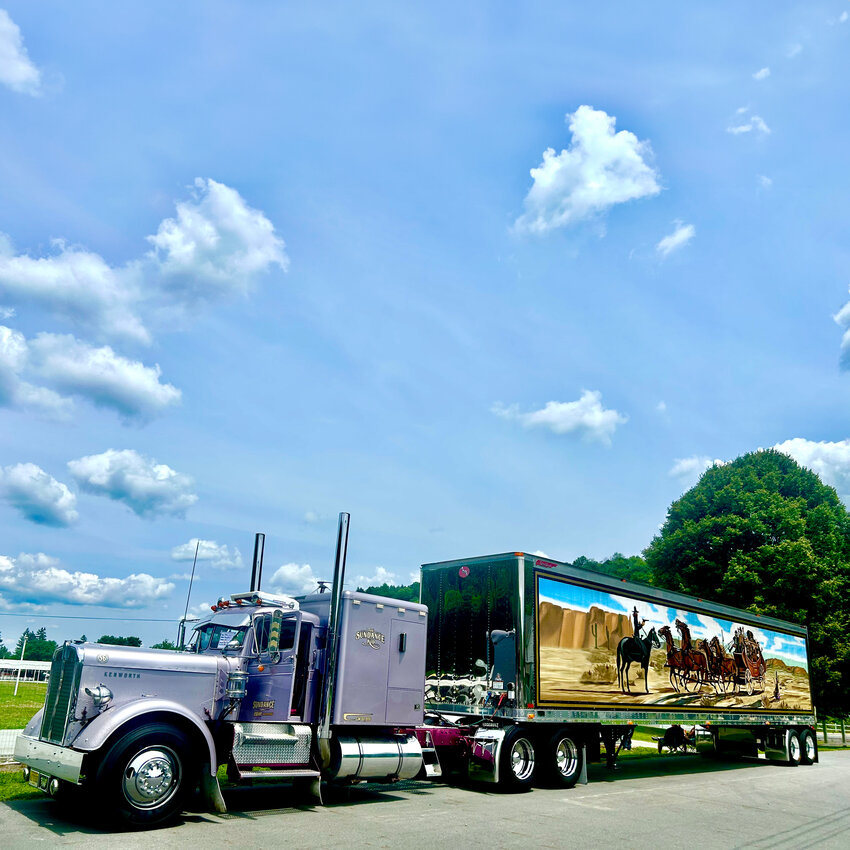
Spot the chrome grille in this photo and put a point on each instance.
(61, 694)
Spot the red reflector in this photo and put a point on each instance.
(530, 705)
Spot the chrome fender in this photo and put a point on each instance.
(96, 733)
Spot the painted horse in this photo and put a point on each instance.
(631, 649)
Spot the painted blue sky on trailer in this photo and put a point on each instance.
(789, 648)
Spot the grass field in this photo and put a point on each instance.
(16, 711)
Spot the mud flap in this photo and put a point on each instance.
(309, 790)
(582, 777)
(211, 792)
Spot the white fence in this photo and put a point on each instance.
(834, 732)
(31, 671)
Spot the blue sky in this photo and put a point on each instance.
(490, 278)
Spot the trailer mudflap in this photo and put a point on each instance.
(484, 757)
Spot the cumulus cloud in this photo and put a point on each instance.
(689, 469)
(677, 239)
(830, 460)
(794, 51)
(39, 578)
(215, 246)
(16, 70)
(100, 375)
(7, 313)
(381, 576)
(600, 169)
(148, 488)
(294, 579)
(219, 556)
(749, 123)
(38, 496)
(765, 182)
(14, 391)
(78, 285)
(762, 74)
(585, 417)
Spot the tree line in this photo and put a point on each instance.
(40, 648)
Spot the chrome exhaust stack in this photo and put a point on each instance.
(329, 686)
(257, 568)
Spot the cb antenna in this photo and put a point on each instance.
(181, 631)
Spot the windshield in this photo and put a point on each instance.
(217, 637)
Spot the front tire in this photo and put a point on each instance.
(516, 761)
(562, 759)
(145, 776)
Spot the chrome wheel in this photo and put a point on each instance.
(152, 777)
(522, 759)
(566, 757)
(794, 750)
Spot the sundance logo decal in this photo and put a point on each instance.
(369, 637)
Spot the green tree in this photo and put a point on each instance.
(633, 568)
(164, 644)
(4, 652)
(406, 592)
(38, 648)
(764, 534)
(120, 641)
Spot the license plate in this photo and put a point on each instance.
(39, 780)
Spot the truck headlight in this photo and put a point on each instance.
(99, 695)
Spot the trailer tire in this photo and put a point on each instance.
(516, 761)
(808, 747)
(561, 759)
(795, 749)
(144, 776)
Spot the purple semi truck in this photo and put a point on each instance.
(516, 670)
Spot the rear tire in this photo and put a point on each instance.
(808, 747)
(516, 761)
(795, 750)
(144, 777)
(562, 759)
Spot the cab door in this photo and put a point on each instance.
(271, 667)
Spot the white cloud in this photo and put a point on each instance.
(7, 313)
(831, 461)
(216, 246)
(39, 578)
(793, 51)
(842, 318)
(381, 576)
(750, 124)
(762, 74)
(689, 469)
(37, 495)
(586, 417)
(78, 285)
(219, 556)
(601, 168)
(765, 182)
(677, 239)
(148, 488)
(16, 70)
(661, 407)
(294, 579)
(842, 18)
(101, 376)
(14, 391)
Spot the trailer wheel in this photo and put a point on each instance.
(562, 759)
(808, 747)
(144, 777)
(795, 752)
(516, 761)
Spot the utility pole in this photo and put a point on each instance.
(23, 650)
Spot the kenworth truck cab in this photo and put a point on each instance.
(324, 686)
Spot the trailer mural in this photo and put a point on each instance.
(598, 647)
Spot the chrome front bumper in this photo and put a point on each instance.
(61, 762)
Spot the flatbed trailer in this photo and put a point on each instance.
(549, 663)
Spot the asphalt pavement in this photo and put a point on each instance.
(672, 801)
